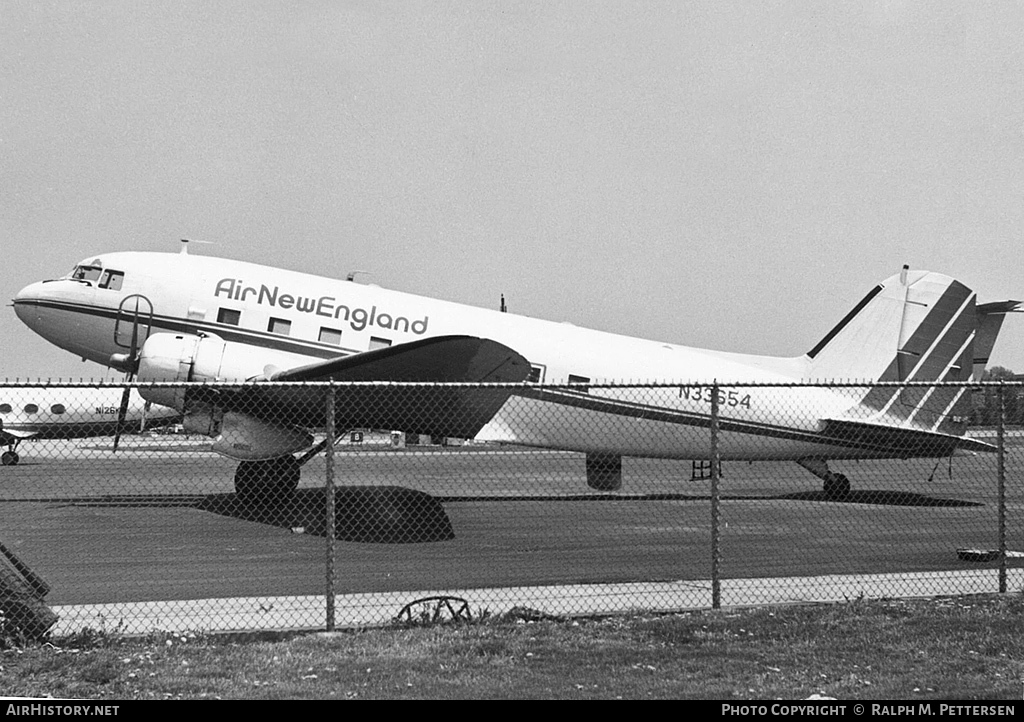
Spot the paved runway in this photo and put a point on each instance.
(156, 524)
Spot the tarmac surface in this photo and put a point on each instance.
(365, 610)
(152, 537)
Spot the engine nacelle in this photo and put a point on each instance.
(188, 357)
(244, 438)
(192, 358)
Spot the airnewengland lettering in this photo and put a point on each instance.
(326, 306)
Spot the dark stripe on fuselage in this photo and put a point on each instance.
(656, 413)
(234, 334)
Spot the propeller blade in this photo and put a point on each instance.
(133, 351)
(121, 414)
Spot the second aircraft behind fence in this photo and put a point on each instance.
(189, 318)
(73, 412)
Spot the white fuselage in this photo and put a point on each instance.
(285, 319)
(67, 412)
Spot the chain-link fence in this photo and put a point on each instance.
(119, 514)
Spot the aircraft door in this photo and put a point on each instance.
(134, 320)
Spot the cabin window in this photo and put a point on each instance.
(5, 408)
(280, 325)
(574, 379)
(229, 316)
(31, 409)
(57, 409)
(330, 335)
(112, 280)
(536, 374)
(378, 342)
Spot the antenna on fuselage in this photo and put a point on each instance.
(504, 308)
(186, 241)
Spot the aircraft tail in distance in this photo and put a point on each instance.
(990, 320)
(917, 326)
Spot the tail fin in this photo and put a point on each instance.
(990, 319)
(915, 326)
(911, 327)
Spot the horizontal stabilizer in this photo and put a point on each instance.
(898, 440)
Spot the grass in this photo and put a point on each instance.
(950, 648)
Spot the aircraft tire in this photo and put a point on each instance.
(267, 482)
(248, 479)
(286, 473)
(10, 458)
(837, 488)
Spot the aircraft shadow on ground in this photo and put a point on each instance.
(377, 514)
(398, 515)
(880, 497)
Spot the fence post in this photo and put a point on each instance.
(716, 585)
(329, 519)
(1001, 471)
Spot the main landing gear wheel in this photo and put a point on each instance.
(267, 482)
(837, 488)
(10, 458)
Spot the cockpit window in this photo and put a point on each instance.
(112, 280)
(86, 273)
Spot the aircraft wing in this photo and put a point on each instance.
(899, 439)
(438, 360)
(17, 432)
(435, 410)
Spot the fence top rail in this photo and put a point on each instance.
(578, 386)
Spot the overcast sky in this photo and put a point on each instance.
(732, 175)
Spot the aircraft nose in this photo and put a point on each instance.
(25, 302)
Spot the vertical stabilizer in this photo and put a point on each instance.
(990, 320)
(909, 327)
(916, 326)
